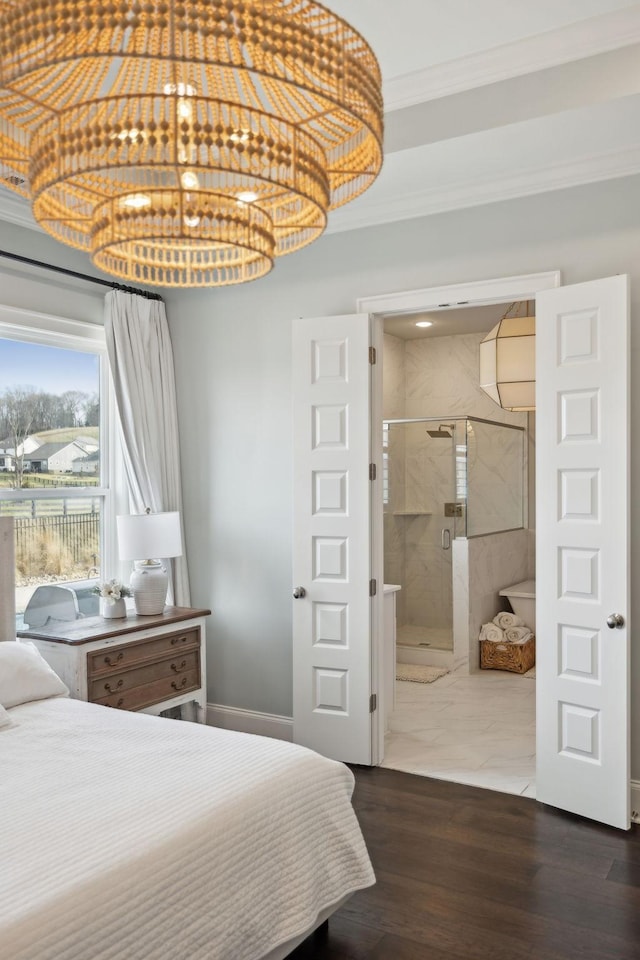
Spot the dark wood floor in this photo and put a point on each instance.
(473, 874)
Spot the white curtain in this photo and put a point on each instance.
(141, 358)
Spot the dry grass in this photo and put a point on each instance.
(62, 434)
(46, 555)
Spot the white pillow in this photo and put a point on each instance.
(25, 675)
(5, 719)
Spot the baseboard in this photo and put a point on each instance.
(635, 801)
(250, 721)
(281, 728)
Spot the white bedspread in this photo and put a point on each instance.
(125, 836)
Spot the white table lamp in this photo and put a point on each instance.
(144, 538)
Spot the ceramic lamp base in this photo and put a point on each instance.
(149, 582)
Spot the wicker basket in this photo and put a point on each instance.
(515, 657)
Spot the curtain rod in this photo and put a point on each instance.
(80, 276)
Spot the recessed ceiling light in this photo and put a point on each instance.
(424, 323)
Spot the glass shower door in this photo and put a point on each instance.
(422, 516)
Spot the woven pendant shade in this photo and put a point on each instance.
(186, 142)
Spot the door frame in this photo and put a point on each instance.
(450, 296)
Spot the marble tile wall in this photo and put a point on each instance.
(495, 561)
(441, 376)
(495, 478)
(438, 377)
(429, 484)
(420, 482)
(393, 377)
(393, 389)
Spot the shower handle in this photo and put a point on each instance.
(446, 538)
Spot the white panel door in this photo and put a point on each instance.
(582, 477)
(331, 547)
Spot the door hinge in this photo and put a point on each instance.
(372, 471)
(373, 702)
(373, 588)
(372, 355)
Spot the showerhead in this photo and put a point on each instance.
(443, 432)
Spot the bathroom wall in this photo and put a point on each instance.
(441, 375)
(495, 478)
(420, 480)
(438, 377)
(482, 566)
(393, 389)
(393, 378)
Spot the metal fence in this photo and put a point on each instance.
(77, 536)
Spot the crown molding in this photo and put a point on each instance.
(457, 196)
(587, 38)
(15, 210)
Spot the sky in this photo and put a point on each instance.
(49, 369)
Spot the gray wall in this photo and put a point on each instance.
(43, 291)
(233, 366)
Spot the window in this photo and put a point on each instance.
(55, 470)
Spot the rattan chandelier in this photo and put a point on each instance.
(186, 142)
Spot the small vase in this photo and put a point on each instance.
(113, 611)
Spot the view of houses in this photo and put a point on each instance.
(80, 456)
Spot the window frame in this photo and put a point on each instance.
(29, 326)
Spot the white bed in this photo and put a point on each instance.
(130, 837)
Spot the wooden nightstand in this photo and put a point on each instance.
(139, 663)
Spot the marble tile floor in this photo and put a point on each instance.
(477, 729)
(434, 638)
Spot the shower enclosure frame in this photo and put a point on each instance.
(448, 421)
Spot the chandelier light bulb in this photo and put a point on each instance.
(189, 180)
(136, 200)
(185, 110)
(179, 89)
(247, 196)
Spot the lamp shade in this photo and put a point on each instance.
(149, 536)
(508, 363)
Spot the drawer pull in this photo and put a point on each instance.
(120, 702)
(175, 640)
(177, 667)
(111, 663)
(178, 686)
(111, 689)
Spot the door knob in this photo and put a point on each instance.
(615, 620)
(299, 593)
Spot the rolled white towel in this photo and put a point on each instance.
(505, 619)
(491, 632)
(517, 634)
